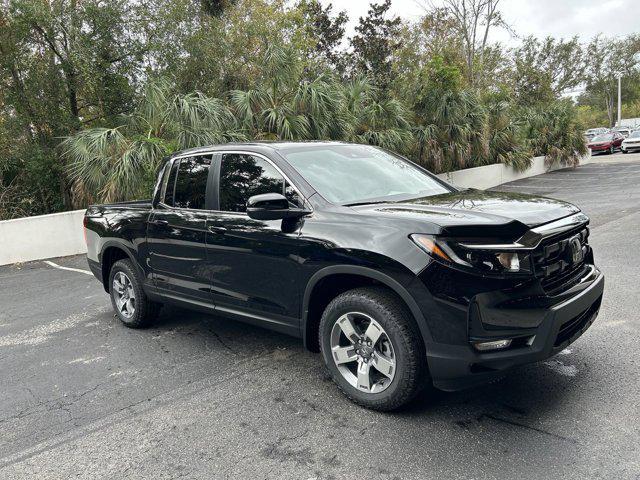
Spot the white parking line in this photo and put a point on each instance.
(55, 265)
(535, 187)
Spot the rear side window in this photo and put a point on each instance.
(171, 182)
(243, 176)
(190, 183)
(159, 189)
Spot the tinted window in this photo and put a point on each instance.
(168, 196)
(158, 190)
(191, 183)
(242, 176)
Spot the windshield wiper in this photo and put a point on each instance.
(357, 204)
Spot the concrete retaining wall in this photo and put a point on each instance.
(492, 175)
(44, 236)
(61, 234)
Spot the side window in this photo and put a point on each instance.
(191, 183)
(171, 182)
(243, 176)
(159, 189)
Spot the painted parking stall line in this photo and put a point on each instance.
(60, 267)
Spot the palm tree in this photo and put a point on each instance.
(285, 105)
(452, 130)
(112, 164)
(506, 142)
(554, 131)
(372, 118)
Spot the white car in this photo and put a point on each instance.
(632, 142)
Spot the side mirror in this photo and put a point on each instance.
(272, 206)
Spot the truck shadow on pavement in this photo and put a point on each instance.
(525, 399)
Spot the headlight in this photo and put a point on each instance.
(495, 261)
(489, 260)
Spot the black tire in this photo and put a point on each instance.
(612, 150)
(392, 314)
(625, 151)
(145, 310)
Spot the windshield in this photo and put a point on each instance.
(603, 138)
(348, 174)
(635, 134)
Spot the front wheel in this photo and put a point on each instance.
(128, 299)
(612, 149)
(373, 349)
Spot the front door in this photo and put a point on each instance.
(177, 232)
(255, 264)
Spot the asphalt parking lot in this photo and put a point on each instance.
(204, 397)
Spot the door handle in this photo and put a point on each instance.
(160, 223)
(218, 230)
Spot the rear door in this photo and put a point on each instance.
(176, 233)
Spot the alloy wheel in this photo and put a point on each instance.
(124, 295)
(363, 353)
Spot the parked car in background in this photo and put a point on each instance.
(399, 279)
(593, 132)
(608, 142)
(632, 142)
(624, 131)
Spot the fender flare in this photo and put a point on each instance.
(120, 246)
(383, 278)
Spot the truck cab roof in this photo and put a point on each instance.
(258, 146)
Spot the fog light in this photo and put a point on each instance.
(492, 345)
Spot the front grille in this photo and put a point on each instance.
(554, 263)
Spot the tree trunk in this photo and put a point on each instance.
(609, 100)
(64, 192)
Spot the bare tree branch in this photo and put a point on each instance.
(474, 20)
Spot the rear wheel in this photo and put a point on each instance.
(128, 299)
(372, 348)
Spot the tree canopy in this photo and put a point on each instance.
(93, 94)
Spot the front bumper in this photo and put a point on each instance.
(630, 148)
(455, 367)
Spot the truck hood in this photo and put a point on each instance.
(477, 208)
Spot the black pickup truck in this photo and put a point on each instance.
(398, 278)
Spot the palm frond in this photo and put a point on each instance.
(106, 165)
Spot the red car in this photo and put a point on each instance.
(607, 142)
